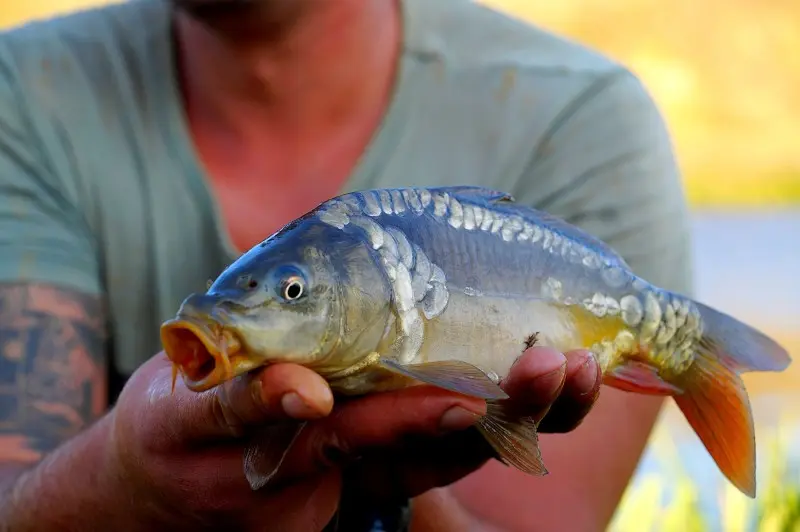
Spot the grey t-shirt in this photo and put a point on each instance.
(101, 190)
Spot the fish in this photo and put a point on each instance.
(381, 289)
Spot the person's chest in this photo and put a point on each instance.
(164, 227)
(261, 182)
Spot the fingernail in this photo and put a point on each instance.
(586, 376)
(294, 406)
(549, 362)
(316, 394)
(457, 418)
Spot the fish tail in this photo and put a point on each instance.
(742, 347)
(714, 399)
(709, 392)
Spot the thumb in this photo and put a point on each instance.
(272, 394)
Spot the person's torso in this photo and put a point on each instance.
(477, 99)
(476, 94)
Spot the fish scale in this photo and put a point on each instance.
(543, 249)
(445, 286)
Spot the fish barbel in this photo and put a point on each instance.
(381, 289)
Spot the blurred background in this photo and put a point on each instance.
(726, 73)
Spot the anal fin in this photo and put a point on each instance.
(638, 377)
(454, 375)
(515, 439)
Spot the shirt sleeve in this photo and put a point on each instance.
(44, 236)
(607, 165)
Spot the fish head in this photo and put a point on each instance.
(276, 303)
(287, 300)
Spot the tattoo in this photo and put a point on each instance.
(53, 368)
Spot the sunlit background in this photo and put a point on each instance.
(726, 73)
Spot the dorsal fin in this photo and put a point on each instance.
(506, 202)
(472, 191)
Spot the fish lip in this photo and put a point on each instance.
(208, 368)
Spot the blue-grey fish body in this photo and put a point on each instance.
(381, 289)
(473, 276)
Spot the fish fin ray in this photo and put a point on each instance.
(715, 400)
(639, 377)
(515, 439)
(265, 452)
(716, 405)
(453, 375)
(741, 346)
(471, 191)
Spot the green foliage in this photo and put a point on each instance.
(776, 509)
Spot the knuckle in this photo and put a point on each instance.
(333, 451)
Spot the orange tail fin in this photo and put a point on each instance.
(716, 405)
(714, 399)
(711, 394)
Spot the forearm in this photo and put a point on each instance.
(71, 488)
(439, 510)
(52, 451)
(9, 473)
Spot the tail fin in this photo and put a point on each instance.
(714, 400)
(742, 347)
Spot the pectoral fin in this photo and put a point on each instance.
(515, 439)
(266, 450)
(453, 375)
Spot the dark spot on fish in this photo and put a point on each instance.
(246, 282)
(531, 340)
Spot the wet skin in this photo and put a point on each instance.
(199, 437)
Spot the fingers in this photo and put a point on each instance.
(419, 466)
(535, 381)
(579, 393)
(557, 390)
(275, 393)
(384, 420)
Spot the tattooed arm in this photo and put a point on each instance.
(52, 354)
(52, 384)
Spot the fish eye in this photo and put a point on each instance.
(292, 288)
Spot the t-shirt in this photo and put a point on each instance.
(101, 189)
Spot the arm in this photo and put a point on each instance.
(52, 325)
(53, 374)
(52, 366)
(607, 166)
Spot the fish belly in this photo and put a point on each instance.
(491, 332)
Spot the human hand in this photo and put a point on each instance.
(181, 454)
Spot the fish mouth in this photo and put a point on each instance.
(206, 355)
